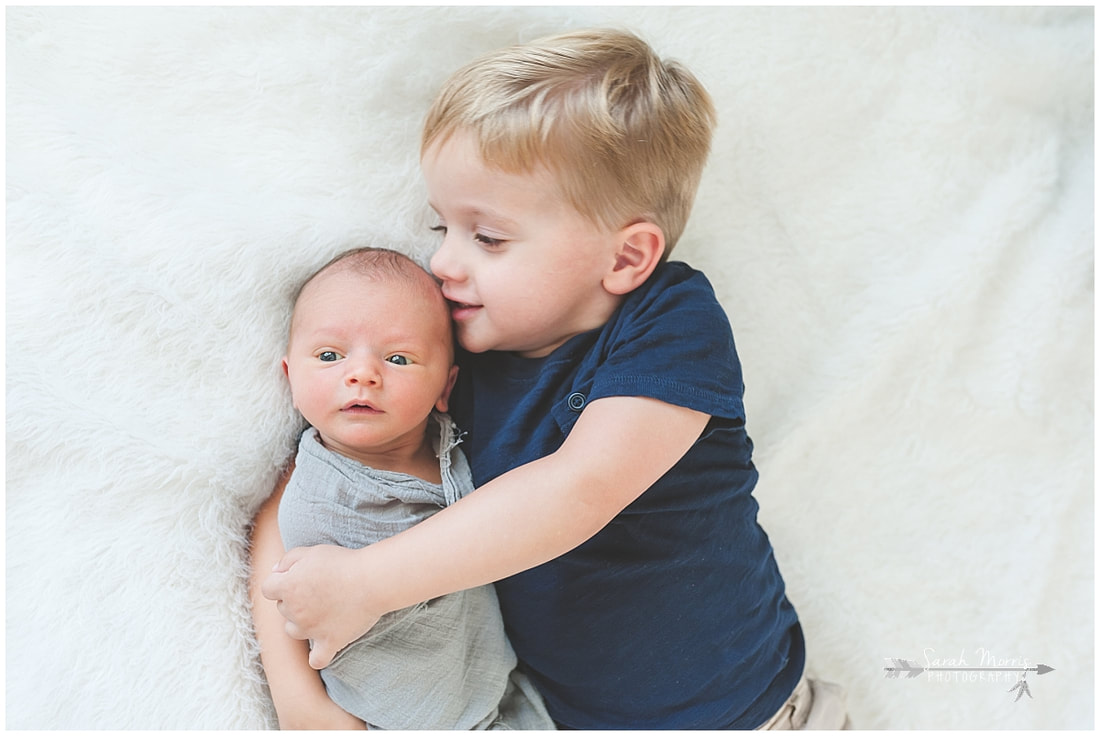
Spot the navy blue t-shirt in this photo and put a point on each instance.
(674, 615)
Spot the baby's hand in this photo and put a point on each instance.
(317, 592)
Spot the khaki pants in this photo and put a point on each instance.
(813, 706)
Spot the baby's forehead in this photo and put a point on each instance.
(407, 277)
(405, 288)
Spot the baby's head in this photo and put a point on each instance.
(375, 266)
(370, 351)
(625, 133)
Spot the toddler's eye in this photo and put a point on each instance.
(488, 242)
(398, 360)
(441, 229)
(328, 356)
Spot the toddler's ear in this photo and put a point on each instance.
(640, 248)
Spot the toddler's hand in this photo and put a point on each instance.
(317, 593)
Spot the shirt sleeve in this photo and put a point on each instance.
(672, 341)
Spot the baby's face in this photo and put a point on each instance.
(367, 362)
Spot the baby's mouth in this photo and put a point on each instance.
(360, 407)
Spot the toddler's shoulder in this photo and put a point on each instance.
(675, 283)
(678, 297)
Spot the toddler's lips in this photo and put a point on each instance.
(461, 310)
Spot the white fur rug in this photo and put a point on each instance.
(898, 218)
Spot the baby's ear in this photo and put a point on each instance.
(444, 399)
(286, 372)
(640, 247)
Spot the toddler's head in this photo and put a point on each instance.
(625, 133)
(370, 352)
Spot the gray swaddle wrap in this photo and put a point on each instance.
(444, 664)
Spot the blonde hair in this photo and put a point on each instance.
(625, 133)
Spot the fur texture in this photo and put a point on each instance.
(897, 216)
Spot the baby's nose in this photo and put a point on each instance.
(363, 371)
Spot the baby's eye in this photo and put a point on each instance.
(328, 356)
(441, 229)
(398, 360)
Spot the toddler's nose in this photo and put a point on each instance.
(444, 262)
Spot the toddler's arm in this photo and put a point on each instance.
(617, 449)
(296, 689)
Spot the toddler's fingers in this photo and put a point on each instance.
(289, 559)
(320, 656)
(272, 587)
(294, 631)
